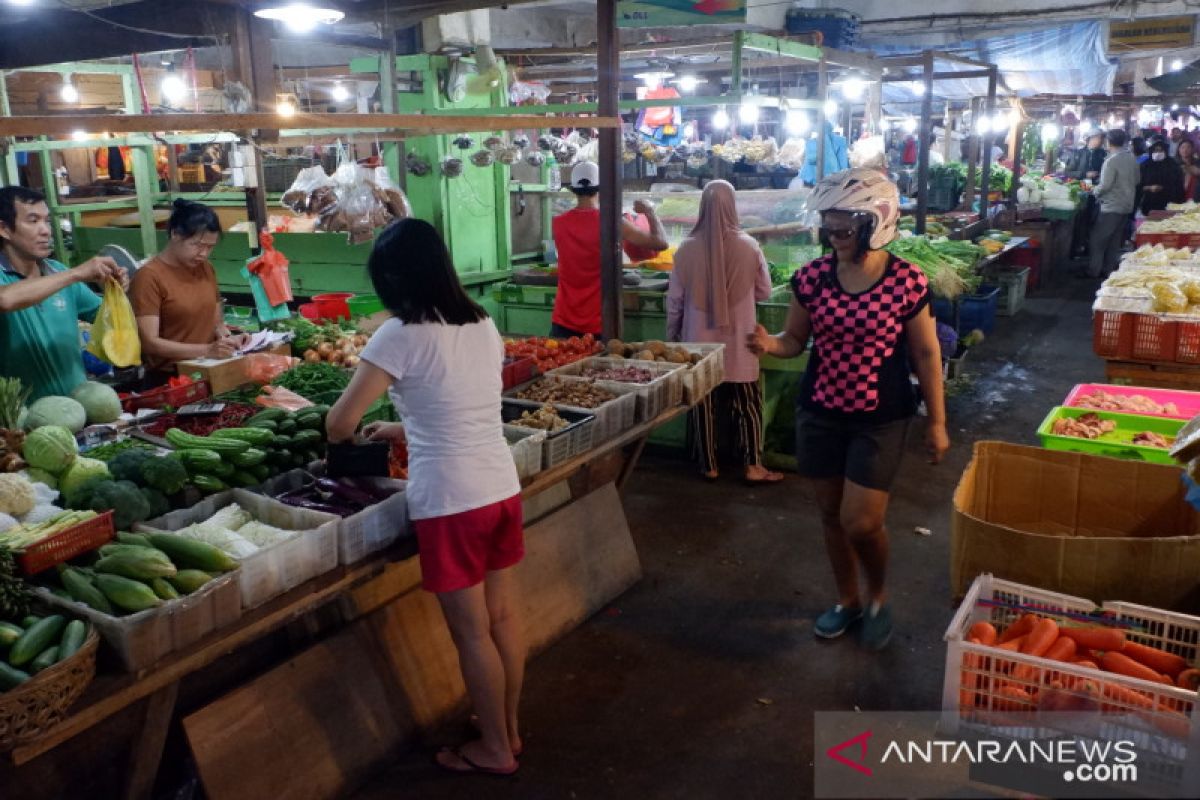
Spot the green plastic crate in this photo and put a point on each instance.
(1119, 443)
(772, 313)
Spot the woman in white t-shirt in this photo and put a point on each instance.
(440, 358)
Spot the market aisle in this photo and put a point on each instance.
(701, 681)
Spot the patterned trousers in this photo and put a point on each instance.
(739, 403)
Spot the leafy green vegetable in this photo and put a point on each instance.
(127, 466)
(947, 264)
(52, 448)
(126, 500)
(165, 473)
(312, 379)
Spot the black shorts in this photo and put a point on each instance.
(866, 453)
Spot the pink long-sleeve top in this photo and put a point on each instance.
(686, 322)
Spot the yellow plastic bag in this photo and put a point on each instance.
(114, 333)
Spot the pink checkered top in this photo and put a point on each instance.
(859, 364)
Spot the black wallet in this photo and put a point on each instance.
(357, 460)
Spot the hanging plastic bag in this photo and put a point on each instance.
(299, 196)
(271, 267)
(114, 336)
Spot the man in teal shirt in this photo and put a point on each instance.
(41, 300)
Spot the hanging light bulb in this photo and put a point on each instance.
(174, 90)
(1050, 132)
(68, 92)
(748, 113)
(79, 135)
(852, 87)
(831, 108)
(688, 83)
(797, 122)
(983, 126)
(1176, 65)
(910, 125)
(301, 17)
(720, 119)
(340, 93)
(286, 108)
(919, 89)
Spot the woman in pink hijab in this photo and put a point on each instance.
(719, 274)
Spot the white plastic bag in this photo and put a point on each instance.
(299, 196)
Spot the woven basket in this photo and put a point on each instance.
(35, 706)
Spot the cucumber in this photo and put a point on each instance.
(163, 588)
(207, 484)
(319, 408)
(73, 638)
(35, 639)
(11, 677)
(223, 470)
(251, 458)
(30, 620)
(310, 422)
(282, 442)
(84, 591)
(257, 437)
(286, 426)
(269, 415)
(133, 538)
(200, 461)
(306, 438)
(244, 479)
(181, 440)
(262, 472)
(9, 633)
(45, 659)
(191, 554)
(266, 425)
(189, 580)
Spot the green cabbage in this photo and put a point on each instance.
(100, 402)
(51, 448)
(41, 476)
(57, 411)
(80, 472)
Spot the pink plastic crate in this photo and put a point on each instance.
(1188, 403)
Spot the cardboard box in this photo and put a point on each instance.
(228, 374)
(1094, 527)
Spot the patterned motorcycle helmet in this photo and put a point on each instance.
(865, 191)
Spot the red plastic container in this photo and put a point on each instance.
(310, 312)
(517, 371)
(1127, 336)
(63, 546)
(333, 305)
(1026, 256)
(1188, 403)
(174, 396)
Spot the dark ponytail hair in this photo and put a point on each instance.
(415, 278)
(189, 219)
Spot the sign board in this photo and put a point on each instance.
(674, 13)
(1155, 33)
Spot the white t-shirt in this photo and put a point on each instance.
(446, 384)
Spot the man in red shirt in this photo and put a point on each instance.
(577, 240)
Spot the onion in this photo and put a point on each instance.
(360, 340)
(325, 349)
(342, 342)
(312, 356)
(337, 357)
(351, 362)
(349, 349)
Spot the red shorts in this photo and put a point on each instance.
(458, 550)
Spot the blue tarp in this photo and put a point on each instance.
(1064, 60)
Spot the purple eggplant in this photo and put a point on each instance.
(351, 495)
(316, 505)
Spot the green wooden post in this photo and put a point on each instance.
(8, 169)
(50, 185)
(503, 201)
(145, 180)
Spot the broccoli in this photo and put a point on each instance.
(128, 465)
(165, 473)
(80, 497)
(126, 501)
(157, 501)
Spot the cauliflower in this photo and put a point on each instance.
(40, 514)
(16, 495)
(6, 522)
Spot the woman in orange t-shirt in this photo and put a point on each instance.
(175, 296)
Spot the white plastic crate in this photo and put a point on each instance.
(141, 639)
(526, 448)
(276, 569)
(705, 375)
(366, 532)
(1012, 285)
(655, 397)
(559, 446)
(981, 680)
(612, 418)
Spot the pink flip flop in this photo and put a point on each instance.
(471, 767)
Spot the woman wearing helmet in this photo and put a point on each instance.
(867, 313)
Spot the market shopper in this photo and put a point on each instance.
(440, 357)
(718, 276)
(175, 296)
(1086, 162)
(1116, 193)
(577, 240)
(1161, 180)
(868, 315)
(41, 300)
(1189, 163)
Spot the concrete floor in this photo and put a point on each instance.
(701, 681)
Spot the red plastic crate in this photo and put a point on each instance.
(174, 396)
(517, 371)
(65, 545)
(1144, 337)
(1026, 256)
(1112, 334)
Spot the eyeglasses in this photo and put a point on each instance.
(840, 233)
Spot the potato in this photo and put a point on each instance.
(644, 355)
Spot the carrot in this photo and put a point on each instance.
(1085, 662)
(1157, 660)
(1082, 652)
(983, 633)
(1124, 665)
(1119, 694)
(1013, 645)
(970, 679)
(1039, 640)
(1012, 698)
(1097, 638)
(1189, 679)
(1019, 628)
(1063, 649)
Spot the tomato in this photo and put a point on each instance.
(588, 339)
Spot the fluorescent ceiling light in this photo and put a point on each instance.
(21, 2)
(852, 88)
(910, 125)
(653, 80)
(340, 93)
(688, 83)
(748, 113)
(301, 17)
(79, 135)
(797, 122)
(720, 120)
(1176, 65)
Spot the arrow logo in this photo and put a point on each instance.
(835, 753)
